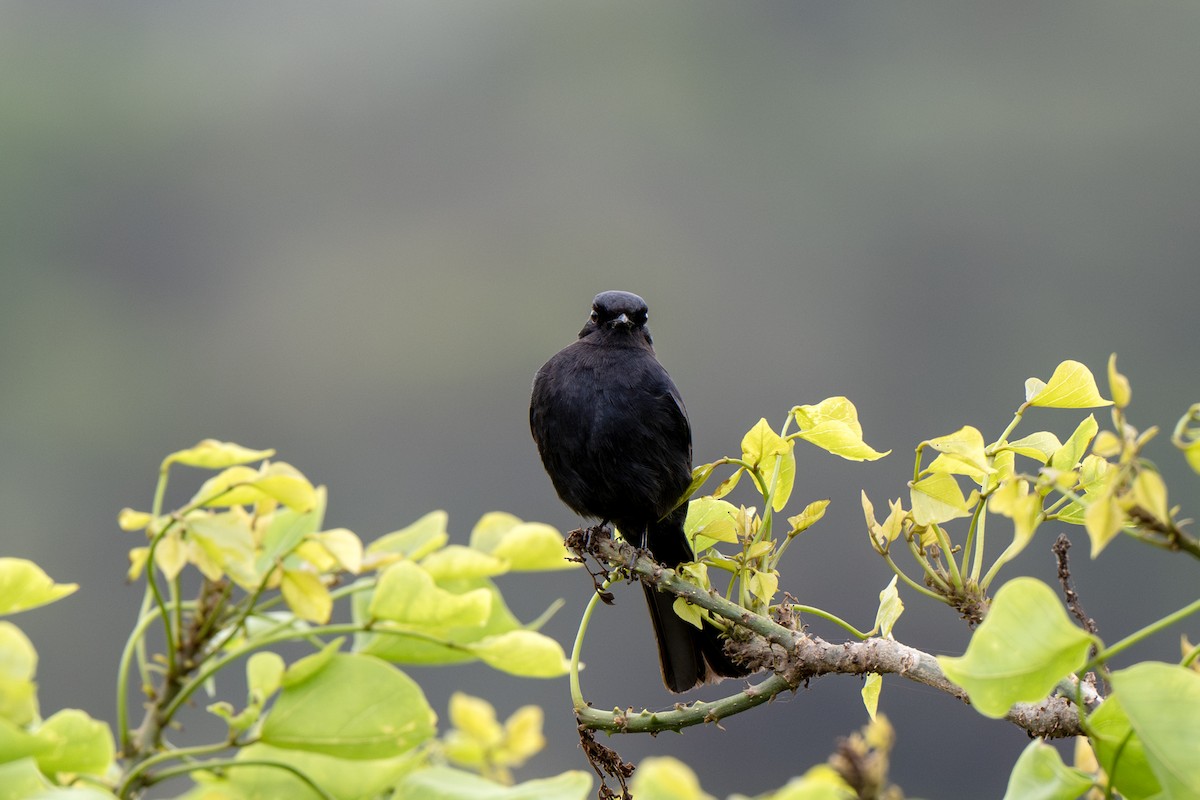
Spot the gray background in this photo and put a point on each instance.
(354, 233)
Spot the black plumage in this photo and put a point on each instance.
(614, 437)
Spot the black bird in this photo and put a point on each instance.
(614, 436)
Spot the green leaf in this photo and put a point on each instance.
(18, 664)
(426, 647)
(24, 585)
(212, 454)
(287, 529)
(710, 520)
(1162, 703)
(76, 743)
(1039, 446)
(1071, 386)
(264, 675)
(417, 540)
(833, 426)
(356, 707)
(872, 686)
(1040, 774)
(666, 778)
(729, 484)
(526, 653)
(343, 779)
(1120, 753)
(444, 783)
(937, 498)
(1073, 450)
(21, 779)
(304, 668)
(407, 594)
(1023, 648)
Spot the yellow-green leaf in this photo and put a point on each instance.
(76, 744)
(130, 520)
(407, 594)
(870, 692)
(1040, 774)
(1103, 520)
(343, 546)
(25, 585)
(1069, 455)
(1038, 446)
(227, 544)
(833, 425)
(455, 561)
(525, 653)
(475, 717)
(1150, 493)
(666, 778)
(688, 612)
(1071, 386)
(763, 584)
(418, 539)
(710, 520)
(1118, 384)
(811, 514)
(212, 454)
(937, 498)
(18, 664)
(306, 595)
(1162, 703)
(264, 675)
(1020, 651)
(890, 609)
(533, 547)
(773, 456)
(965, 446)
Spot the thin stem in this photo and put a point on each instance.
(1190, 657)
(977, 564)
(229, 763)
(991, 450)
(577, 700)
(913, 584)
(825, 615)
(1143, 633)
(917, 465)
(944, 543)
(135, 638)
(132, 778)
(970, 544)
(929, 573)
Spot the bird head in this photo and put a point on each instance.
(618, 314)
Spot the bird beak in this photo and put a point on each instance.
(623, 321)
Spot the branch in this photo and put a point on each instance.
(795, 658)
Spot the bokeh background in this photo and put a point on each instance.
(353, 233)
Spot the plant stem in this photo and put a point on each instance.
(1143, 633)
(133, 778)
(825, 615)
(230, 763)
(577, 649)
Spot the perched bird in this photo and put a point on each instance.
(614, 436)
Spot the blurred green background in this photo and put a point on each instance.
(353, 233)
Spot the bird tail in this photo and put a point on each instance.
(688, 655)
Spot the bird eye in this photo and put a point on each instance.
(595, 315)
